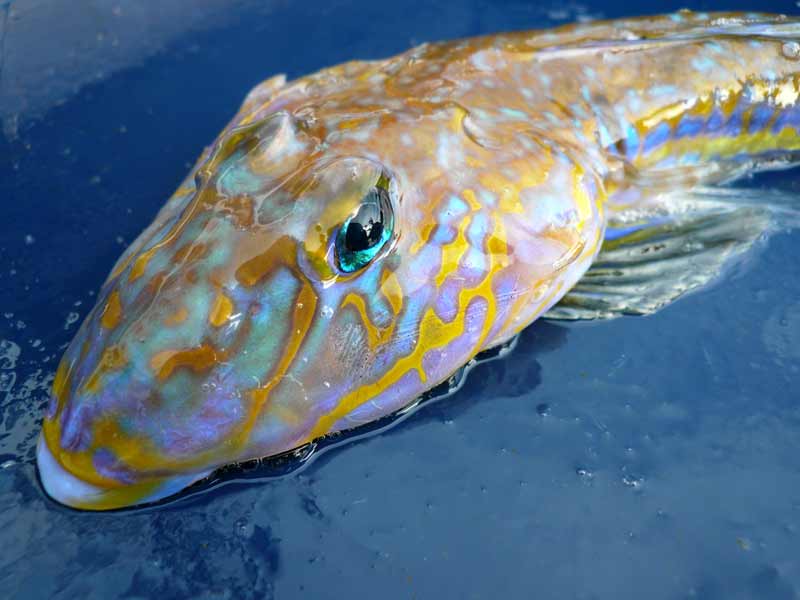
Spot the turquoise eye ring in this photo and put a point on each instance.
(366, 231)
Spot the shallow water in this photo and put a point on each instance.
(647, 457)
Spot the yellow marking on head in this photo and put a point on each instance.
(221, 311)
(424, 235)
(198, 359)
(120, 267)
(140, 264)
(583, 202)
(350, 123)
(375, 335)
(305, 308)
(474, 163)
(251, 271)
(472, 201)
(392, 291)
(453, 252)
(457, 120)
(113, 358)
(112, 311)
(80, 463)
(507, 192)
(178, 317)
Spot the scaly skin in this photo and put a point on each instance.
(227, 332)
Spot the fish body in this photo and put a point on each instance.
(355, 236)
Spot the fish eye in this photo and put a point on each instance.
(366, 231)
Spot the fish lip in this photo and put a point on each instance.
(67, 489)
(59, 484)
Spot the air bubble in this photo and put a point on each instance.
(327, 312)
(791, 50)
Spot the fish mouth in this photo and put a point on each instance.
(69, 490)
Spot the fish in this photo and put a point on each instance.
(354, 237)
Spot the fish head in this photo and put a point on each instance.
(264, 294)
(317, 271)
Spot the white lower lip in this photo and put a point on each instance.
(59, 484)
(63, 487)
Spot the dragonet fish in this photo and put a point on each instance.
(355, 236)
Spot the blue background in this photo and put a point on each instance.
(638, 458)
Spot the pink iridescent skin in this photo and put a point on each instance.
(230, 331)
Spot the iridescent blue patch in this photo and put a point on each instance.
(659, 134)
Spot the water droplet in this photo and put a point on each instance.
(744, 543)
(791, 50)
(326, 384)
(9, 353)
(327, 311)
(632, 481)
(7, 380)
(71, 318)
(30, 240)
(243, 528)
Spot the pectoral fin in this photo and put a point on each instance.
(680, 244)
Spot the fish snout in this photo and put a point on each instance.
(69, 489)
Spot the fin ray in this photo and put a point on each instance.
(680, 244)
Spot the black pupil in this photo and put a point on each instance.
(366, 228)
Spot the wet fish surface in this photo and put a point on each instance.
(354, 237)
